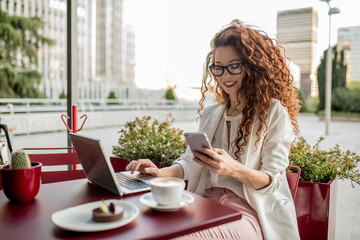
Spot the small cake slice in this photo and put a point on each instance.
(106, 213)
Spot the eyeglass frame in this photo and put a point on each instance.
(227, 68)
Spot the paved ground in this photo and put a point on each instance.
(346, 134)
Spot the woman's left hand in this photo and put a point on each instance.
(218, 161)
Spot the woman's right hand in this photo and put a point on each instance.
(144, 166)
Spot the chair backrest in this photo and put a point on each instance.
(66, 159)
(293, 179)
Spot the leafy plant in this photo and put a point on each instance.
(169, 94)
(112, 95)
(62, 95)
(2, 146)
(322, 166)
(346, 99)
(302, 102)
(20, 38)
(149, 138)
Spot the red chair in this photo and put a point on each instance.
(65, 159)
(293, 179)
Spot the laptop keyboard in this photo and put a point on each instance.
(131, 183)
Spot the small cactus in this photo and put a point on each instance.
(20, 159)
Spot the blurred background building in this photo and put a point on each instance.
(349, 40)
(297, 33)
(105, 46)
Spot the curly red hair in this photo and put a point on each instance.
(267, 77)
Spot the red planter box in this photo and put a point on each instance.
(315, 206)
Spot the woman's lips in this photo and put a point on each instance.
(229, 84)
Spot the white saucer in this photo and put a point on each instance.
(147, 200)
(79, 218)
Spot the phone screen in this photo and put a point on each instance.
(197, 141)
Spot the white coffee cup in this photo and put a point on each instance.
(167, 190)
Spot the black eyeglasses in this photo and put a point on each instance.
(234, 69)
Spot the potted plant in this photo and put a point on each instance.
(21, 178)
(5, 147)
(4, 153)
(316, 196)
(149, 138)
(3, 158)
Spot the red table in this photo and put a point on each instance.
(33, 220)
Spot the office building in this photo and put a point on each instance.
(105, 49)
(349, 41)
(297, 33)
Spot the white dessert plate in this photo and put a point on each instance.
(79, 218)
(147, 200)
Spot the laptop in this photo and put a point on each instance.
(99, 171)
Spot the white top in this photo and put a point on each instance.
(224, 141)
(273, 204)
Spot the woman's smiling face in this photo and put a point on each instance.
(225, 56)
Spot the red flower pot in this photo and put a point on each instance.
(21, 185)
(315, 206)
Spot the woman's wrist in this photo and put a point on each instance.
(240, 172)
(251, 177)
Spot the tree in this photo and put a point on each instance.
(112, 95)
(19, 44)
(303, 107)
(338, 78)
(62, 95)
(169, 94)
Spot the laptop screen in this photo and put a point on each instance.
(93, 160)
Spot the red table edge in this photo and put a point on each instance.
(208, 224)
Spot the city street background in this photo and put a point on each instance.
(345, 134)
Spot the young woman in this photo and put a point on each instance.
(250, 127)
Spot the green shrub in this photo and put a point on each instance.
(169, 94)
(353, 100)
(346, 99)
(338, 99)
(112, 95)
(322, 166)
(353, 85)
(147, 138)
(302, 102)
(62, 95)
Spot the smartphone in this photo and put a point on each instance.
(197, 140)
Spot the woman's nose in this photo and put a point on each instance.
(226, 74)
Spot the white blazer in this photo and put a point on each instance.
(273, 204)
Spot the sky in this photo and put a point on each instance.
(172, 37)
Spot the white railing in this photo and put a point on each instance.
(12, 106)
(26, 116)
